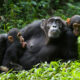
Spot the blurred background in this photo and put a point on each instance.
(18, 13)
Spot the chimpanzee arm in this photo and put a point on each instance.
(71, 49)
(9, 56)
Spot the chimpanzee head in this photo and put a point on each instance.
(53, 27)
(12, 35)
(74, 24)
(15, 36)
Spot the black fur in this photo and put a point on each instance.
(63, 47)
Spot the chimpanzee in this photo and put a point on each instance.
(6, 41)
(3, 40)
(74, 24)
(34, 36)
(13, 36)
(55, 41)
(16, 48)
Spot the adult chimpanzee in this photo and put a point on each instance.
(54, 42)
(3, 40)
(16, 48)
(74, 24)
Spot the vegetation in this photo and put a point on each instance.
(18, 13)
(56, 70)
(21, 12)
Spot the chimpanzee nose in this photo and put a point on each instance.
(54, 25)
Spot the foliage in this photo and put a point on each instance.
(56, 70)
(21, 12)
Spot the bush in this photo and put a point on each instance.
(19, 13)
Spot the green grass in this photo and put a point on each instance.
(56, 70)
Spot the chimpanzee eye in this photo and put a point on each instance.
(48, 27)
(57, 21)
(50, 21)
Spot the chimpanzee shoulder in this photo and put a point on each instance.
(32, 29)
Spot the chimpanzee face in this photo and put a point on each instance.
(74, 24)
(76, 29)
(53, 27)
(54, 24)
(15, 36)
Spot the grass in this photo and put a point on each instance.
(56, 70)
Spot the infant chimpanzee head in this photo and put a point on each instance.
(15, 36)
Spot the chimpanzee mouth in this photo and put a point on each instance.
(53, 34)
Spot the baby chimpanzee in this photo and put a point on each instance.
(16, 48)
(74, 24)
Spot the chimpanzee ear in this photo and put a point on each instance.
(10, 38)
(43, 23)
(68, 20)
